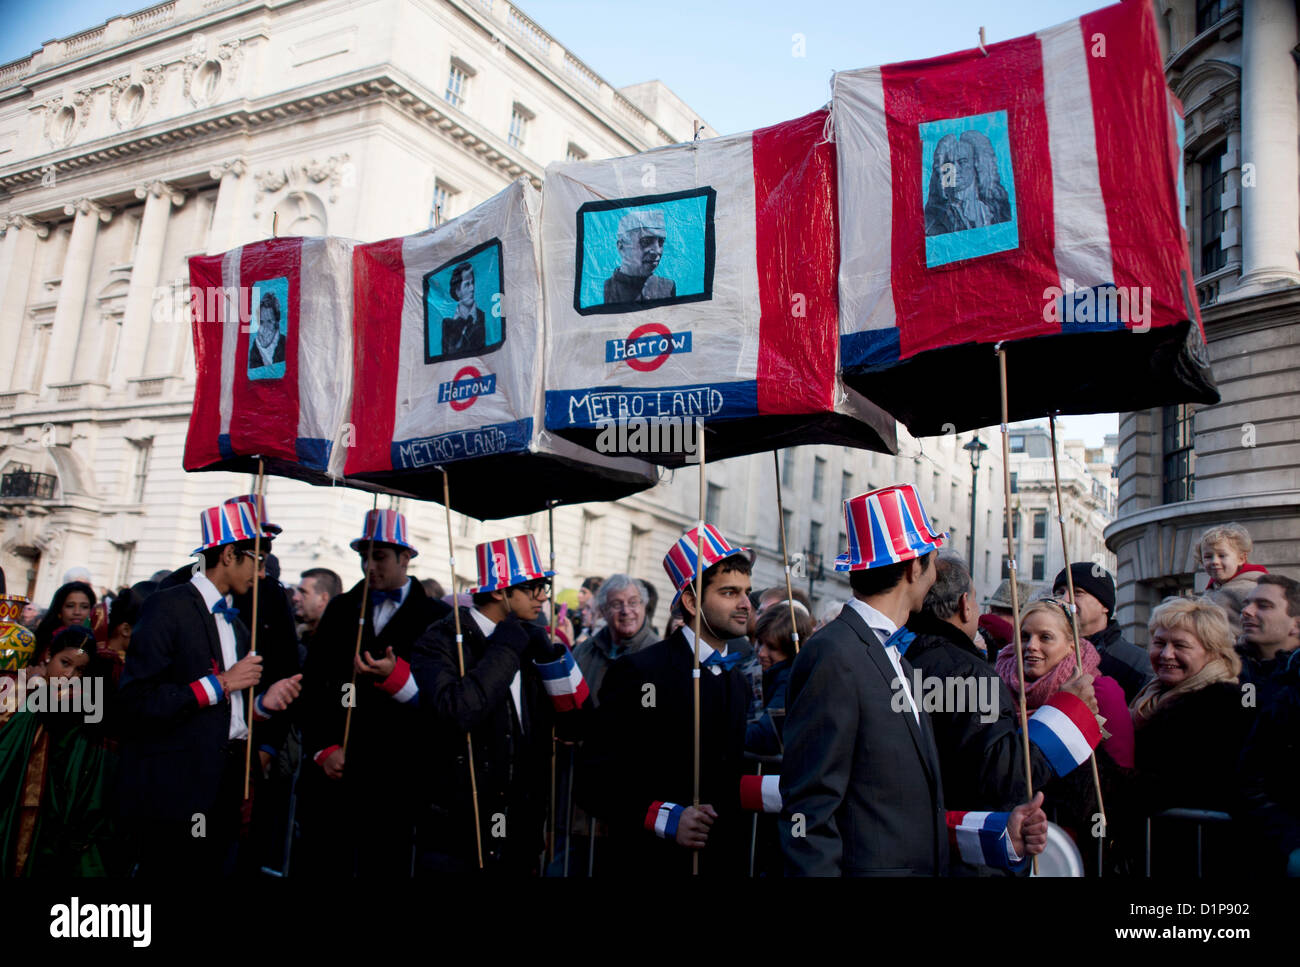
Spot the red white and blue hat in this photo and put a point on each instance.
(227, 524)
(258, 504)
(680, 562)
(503, 564)
(886, 526)
(384, 527)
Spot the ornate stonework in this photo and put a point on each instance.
(332, 171)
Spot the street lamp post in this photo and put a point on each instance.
(975, 448)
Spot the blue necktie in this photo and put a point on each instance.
(223, 610)
(900, 639)
(725, 663)
(380, 596)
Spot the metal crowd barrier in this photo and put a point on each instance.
(1201, 817)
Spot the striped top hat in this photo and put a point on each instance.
(227, 524)
(384, 527)
(503, 564)
(886, 526)
(680, 562)
(258, 505)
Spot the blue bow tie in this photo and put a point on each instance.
(900, 639)
(724, 662)
(223, 610)
(380, 596)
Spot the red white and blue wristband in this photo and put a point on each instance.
(320, 757)
(564, 682)
(760, 794)
(1065, 731)
(401, 683)
(207, 690)
(662, 819)
(981, 839)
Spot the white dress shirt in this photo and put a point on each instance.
(884, 626)
(487, 626)
(384, 611)
(705, 649)
(226, 635)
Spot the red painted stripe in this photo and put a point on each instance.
(205, 419)
(264, 415)
(1135, 138)
(1077, 711)
(751, 793)
(651, 815)
(993, 296)
(200, 693)
(798, 256)
(379, 288)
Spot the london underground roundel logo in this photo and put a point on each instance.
(468, 373)
(651, 329)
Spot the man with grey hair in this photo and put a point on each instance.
(641, 237)
(621, 601)
(981, 753)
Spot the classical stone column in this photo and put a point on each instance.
(62, 352)
(1270, 128)
(17, 255)
(143, 295)
(225, 218)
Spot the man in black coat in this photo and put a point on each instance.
(182, 708)
(861, 782)
(639, 754)
(1270, 635)
(973, 713)
(1094, 596)
(376, 784)
(1269, 780)
(502, 701)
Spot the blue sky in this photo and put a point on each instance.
(733, 61)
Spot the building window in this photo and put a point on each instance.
(988, 556)
(1006, 567)
(1015, 486)
(1040, 525)
(787, 469)
(457, 84)
(841, 543)
(787, 522)
(1179, 455)
(1015, 527)
(819, 477)
(1213, 257)
(573, 154)
(140, 472)
(846, 486)
(815, 539)
(1017, 444)
(440, 207)
(713, 505)
(1208, 13)
(519, 118)
(1039, 563)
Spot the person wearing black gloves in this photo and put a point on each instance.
(501, 700)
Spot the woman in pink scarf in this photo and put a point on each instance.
(1048, 643)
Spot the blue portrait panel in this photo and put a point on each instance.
(637, 253)
(268, 329)
(968, 188)
(463, 313)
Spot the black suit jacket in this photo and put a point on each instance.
(639, 751)
(512, 749)
(173, 750)
(277, 354)
(860, 782)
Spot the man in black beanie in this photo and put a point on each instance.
(1094, 595)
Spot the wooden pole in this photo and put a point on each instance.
(361, 625)
(1074, 614)
(252, 643)
(699, 614)
(552, 819)
(785, 556)
(1011, 560)
(460, 657)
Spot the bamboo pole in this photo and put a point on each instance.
(1074, 614)
(785, 556)
(460, 657)
(252, 642)
(699, 614)
(552, 819)
(1011, 560)
(361, 625)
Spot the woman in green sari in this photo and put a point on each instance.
(56, 773)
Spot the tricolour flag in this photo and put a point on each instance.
(564, 683)
(1065, 730)
(697, 281)
(1030, 194)
(273, 353)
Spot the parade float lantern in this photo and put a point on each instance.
(16, 642)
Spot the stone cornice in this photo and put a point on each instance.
(239, 117)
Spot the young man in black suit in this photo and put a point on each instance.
(860, 781)
(182, 706)
(374, 785)
(639, 757)
(502, 702)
